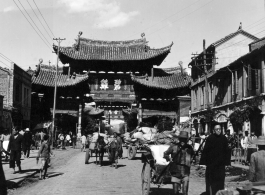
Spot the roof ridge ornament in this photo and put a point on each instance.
(38, 67)
(240, 26)
(77, 44)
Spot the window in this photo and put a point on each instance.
(234, 84)
(210, 92)
(195, 97)
(253, 78)
(202, 96)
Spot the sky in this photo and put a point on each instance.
(184, 22)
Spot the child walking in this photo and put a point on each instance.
(44, 154)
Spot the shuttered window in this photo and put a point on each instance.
(256, 79)
(249, 78)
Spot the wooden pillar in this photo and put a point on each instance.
(262, 66)
(244, 80)
(206, 128)
(79, 121)
(140, 113)
(263, 118)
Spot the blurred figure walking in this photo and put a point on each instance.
(27, 141)
(15, 146)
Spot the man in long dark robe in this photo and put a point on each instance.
(215, 156)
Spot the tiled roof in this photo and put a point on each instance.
(173, 81)
(239, 31)
(90, 42)
(46, 77)
(112, 50)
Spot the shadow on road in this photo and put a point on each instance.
(159, 191)
(28, 170)
(54, 174)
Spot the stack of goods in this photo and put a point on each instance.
(127, 137)
(166, 137)
(145, 134)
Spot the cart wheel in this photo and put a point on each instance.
(131, 152)
(91, 153)
(146, 179)
(87, 156)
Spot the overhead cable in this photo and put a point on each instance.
(39, 20)
(32, 25)
(43, 18)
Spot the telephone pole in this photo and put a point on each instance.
(59, 40)
(204, 69)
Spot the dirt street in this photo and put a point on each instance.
(70, 175)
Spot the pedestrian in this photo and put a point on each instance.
(6, 139)
(14, 147)
(114, 147)
(68, 139)
(74, 140)
(245, 142)
(3, 183)
(257, 161)
(41, 136)
(230, 141)
(83, 141)
(44, 155)
(37, 140)
(22, 132)
(61, 136)
(215, 157)
(180, 154)
(27, 141)
(2, 149)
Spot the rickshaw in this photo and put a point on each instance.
(154, 170)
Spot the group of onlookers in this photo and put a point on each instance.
(66, 139)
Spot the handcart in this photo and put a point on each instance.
(154, 171)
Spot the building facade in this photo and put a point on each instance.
(234, 94)
(15, 87)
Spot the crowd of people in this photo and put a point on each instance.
(216, 151)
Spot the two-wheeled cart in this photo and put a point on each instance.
(152, 172)
(133, 147)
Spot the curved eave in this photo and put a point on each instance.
(71, 53)
(46, 78)
(171, 85)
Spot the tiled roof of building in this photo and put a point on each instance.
(88, 49)
(173, 81)
(226, 38)
(46, 77)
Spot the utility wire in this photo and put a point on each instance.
(43, 18)
(6, 58)
(33, 21)
(258, 22)
(31, 25)
(5, 64)
(39, 20)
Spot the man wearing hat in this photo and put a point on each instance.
(215, 156)
(257, 161)
(27, 141)
(181, 158)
